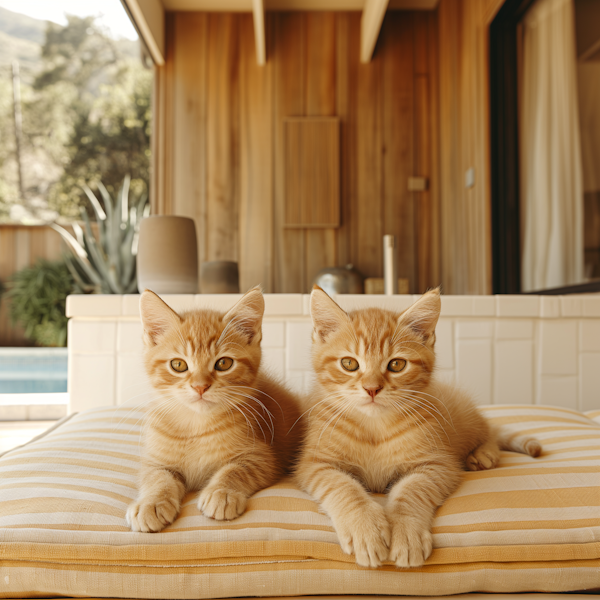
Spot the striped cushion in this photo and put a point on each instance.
(529, 525)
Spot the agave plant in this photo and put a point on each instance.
(106, 264)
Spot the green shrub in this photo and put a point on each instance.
(37, 301)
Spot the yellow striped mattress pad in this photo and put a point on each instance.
(527, 525)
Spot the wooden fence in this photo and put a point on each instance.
(21, 246)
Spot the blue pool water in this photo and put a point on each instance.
(31, 370)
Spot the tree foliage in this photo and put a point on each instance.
(86, 118)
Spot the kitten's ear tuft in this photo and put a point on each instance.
(327, 316)
(157, 317)
(246, 316)
(423, 315)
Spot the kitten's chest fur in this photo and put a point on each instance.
(192, 450)
(381, 462)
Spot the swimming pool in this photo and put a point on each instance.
(33, 370)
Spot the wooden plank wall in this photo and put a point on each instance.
(219, 141)
(21, 246)
(464, 143)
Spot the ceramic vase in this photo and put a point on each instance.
(167, 259)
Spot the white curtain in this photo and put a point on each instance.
(551, 173)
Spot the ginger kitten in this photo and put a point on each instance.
(381, 422)
(220, 425)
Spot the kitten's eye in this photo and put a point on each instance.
(396, 365)
(350, 364)
(223, 364)
(179, 365)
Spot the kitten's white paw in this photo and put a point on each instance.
(367, 535)
(150, 516)
(411, 543)
(482, 458)
(222, 504)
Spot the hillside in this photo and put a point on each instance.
(22, 27)
(21, 38)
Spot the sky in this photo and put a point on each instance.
(111, 13)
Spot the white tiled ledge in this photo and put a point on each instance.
(290, 305)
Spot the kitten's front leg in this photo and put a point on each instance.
(359, 522)
(411, 506)
(226, 494)
(159, 500)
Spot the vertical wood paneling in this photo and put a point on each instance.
(451, 230)
(435, 278)
(367, 243)
(321, 46)
(220, 153)
(222, 133)
(189, 122)
(343, 107)
(426, 214)
(398, 139)
(256, 167)
(289, 94)
(464, 144)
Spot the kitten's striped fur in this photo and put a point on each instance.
(229, 439)
(402, 433)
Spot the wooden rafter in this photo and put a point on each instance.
(370, 25)
(148, 17)
(258, 12)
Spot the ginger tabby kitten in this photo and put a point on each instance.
(220, 425)
(380, 422)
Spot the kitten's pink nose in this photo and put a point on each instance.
(373, 390)
(201, 388)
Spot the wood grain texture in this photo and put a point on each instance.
(321, 65)
(312, 172)
(399, 103)
(189, 164)
(256, 222)
(219, 155)
(367, 243)
(464, 144)
(222, 137)
(289, 101)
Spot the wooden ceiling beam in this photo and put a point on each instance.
(258, 12)
(148, 17)
(370, 25)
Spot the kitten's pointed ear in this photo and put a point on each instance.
(246, 316)
(327, 316)
(423, 315)
(157, 317)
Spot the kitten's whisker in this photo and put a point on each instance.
(271, 417)
(419, 404)
(260, 392)
(427, 424)
(324, 428)
(254, 414)
(425, 402)
(248, 424)
(338, 420)
(405, 410)
(434, 398)
(307, 411)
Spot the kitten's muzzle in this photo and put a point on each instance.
(201, 389)
(373, 390)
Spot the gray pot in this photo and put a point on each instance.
(340, 280)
